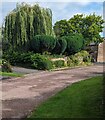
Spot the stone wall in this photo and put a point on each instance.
(93, 51)
(101, 52)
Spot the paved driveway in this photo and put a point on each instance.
(24, 70)
(21, 95)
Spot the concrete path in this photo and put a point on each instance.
(21, 95)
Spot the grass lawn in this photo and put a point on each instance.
(81, 99)
(10, 74)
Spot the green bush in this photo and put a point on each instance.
(26, 57)
(12, 57)
(6, 45)
(56, 49)
(80, 58)
(59, 63)
(83, 56)
(41, 62)
(29, 60)
(70, 62)
(74, 43)
(42, 43)
(61, 46)
(87, 59)
(0, 61)
(82, 53)
(35, 43)
(75, 60)
(6, 67)
(16, 58)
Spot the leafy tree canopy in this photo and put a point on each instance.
(24, 22)
(89, 26)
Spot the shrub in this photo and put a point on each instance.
(5, 45)
(26, 57)
(12, 57)
(29, 60)
(18, 58)
(42, 43)
(0, 61)
(35, 43)
(87, 59)
(75, 60)
(59, 63)
(56, 49)
(83, 56)
(47, 43)
(6, 67)
(70, 62)
(80, 58)
(61, 46)
(82, 53)
(40, 62)
(74, 43)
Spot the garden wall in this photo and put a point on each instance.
(101, 52)
(93, 51)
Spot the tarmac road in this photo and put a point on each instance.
(21, 95)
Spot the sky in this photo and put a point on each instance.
(60, 10)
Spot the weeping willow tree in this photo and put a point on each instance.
(24, 22)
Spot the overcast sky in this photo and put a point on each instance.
(60, 10)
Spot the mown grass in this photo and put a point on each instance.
(11, 74)
(80, 100)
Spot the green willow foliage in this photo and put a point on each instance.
(24, 22)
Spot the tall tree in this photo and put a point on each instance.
(61, 28)
(89, 26)
(24, 22)
(92, 26)
(76, 24)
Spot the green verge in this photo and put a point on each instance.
(80, 100)
(11, 74)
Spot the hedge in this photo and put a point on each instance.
(42, 43)
(74, 43)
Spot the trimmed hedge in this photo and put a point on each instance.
(61, 46)
(74, 43)
(35, 43)
(42, 43)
